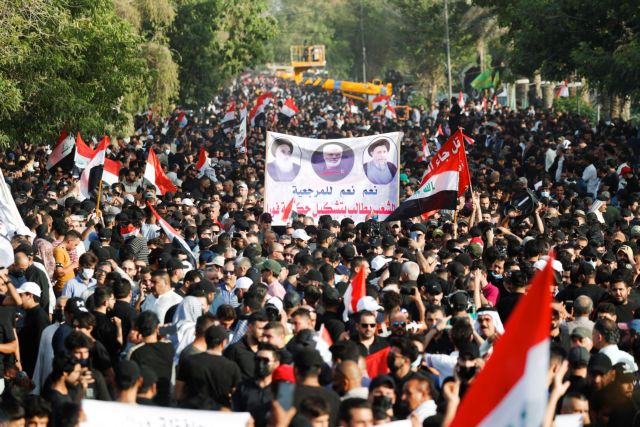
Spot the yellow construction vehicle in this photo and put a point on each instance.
(305, 58)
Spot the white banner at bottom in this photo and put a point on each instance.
(109, 414)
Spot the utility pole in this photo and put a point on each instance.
(364, 49)
(446, 25)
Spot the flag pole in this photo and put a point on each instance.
(99, 194)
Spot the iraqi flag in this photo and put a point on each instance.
(425, 150)
(323, 344)
(379, 101)
(111, 172)
(92, 174)
(174, 236)
(289, 108)
(203, 162)
(563, 90)
(286, 213)
(241, 134)
(377, 363)
(182, 120)
(83, 154)
(63, 153)
(258, 110)
(230, 114)
(356, 290)
(155, 175)
(439, 132)
(512, 387)
(390, 112)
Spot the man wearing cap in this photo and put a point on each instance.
(35, 320)
(207, 380)
(29, 272)
(270, 270)
(378, 169)
(300, 237)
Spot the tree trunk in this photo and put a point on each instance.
(616, 107)
(626, 109)
(480, 46)
(606, 105)
(537, 80)
(547, 95)
(521, 95)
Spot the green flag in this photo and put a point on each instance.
(483, 81)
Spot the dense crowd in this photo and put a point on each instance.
(99, 304)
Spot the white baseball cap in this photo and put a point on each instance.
(368, 304)
(300, 234)
(187, 202)
(542, 262)
(378, 262)
(30, 287)
(244, 283)
(277, 302)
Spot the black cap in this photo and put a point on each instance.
(330, 295)
(469, 349)
(600, 363)
(127, 374)
(419, 227)
(104, 234)
(311, 275)
(205, 243)
(348, 252)
(578, 356)
(323, 235)
(434, 288)
(216, 333)
(75, 305)
(308, 358)
(174, 264)
(380, 380)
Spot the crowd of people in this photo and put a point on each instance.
(101, 304)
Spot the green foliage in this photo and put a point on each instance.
(574, 105)
(65, 63)
(597, 40)
(215, 39)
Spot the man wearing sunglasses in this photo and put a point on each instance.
(366, 339)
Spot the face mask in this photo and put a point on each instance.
(545, 194)
(466, 372)
(497, 276)
(87, 273)
(382, 402)
(18, 272)
(593, 263)
(84, 362)
(167, 152)
(262, 368)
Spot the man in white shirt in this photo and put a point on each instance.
(162, 297)
(418, 396)
(605, 339)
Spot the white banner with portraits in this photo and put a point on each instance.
(345, 178)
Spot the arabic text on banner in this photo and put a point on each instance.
(109, 414)
(349, 177)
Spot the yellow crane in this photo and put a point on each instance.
(305, 58)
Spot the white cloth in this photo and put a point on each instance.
(425, 410)
(52, 296)
(445, 364)
(549, 157)
(45, 357)
(618, 356)
(161, 304)
(590, 178)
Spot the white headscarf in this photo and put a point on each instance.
(497, 322)
(185, 320)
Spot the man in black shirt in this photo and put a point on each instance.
(107, 331)
(122, 308)
(516, 285)
(36, 319)
(367, 340)
(244, 351)
(155, 354)
(24, 262)
(620, 291)
(307, 365)
(207, 380)
(253, 395)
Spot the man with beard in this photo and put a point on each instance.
(254, 395)
(488, 324)
(379, 170)
(332, 168)
(282, 169)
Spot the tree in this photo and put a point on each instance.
(215, 39)
(66, 64)
(595, 40)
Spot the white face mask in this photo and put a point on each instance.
(593, 263)
(545, 194)
(87, 273)
(167, 152)
(416, 363)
